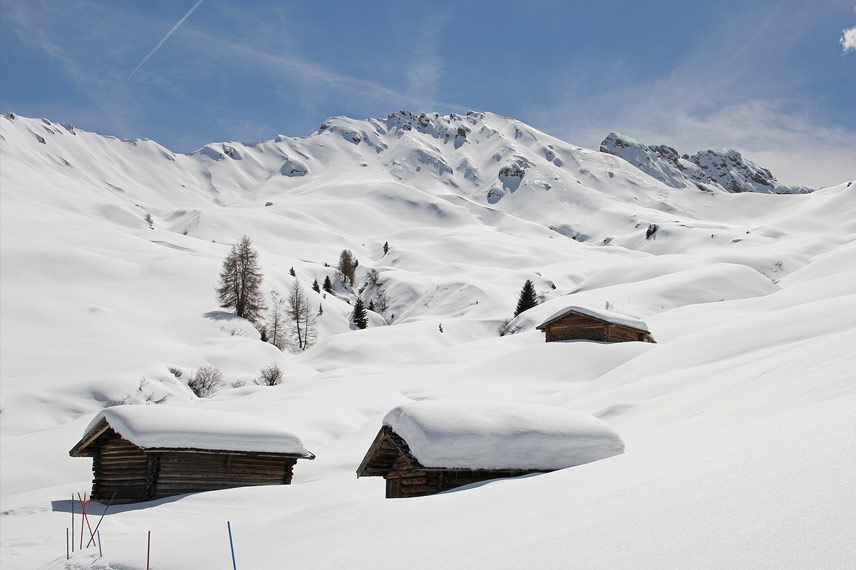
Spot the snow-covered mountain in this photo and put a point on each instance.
(738, 422)
(709, 170)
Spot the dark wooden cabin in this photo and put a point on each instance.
(389, 457)
(577, 323)
(136, 473)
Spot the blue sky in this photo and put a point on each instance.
(774, 79)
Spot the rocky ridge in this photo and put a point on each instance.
(709, 170)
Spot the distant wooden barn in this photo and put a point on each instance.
(578, 323)
(142, 453)
(464, 444)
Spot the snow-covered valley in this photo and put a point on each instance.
(739, 423)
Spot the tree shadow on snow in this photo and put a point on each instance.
(221, 316)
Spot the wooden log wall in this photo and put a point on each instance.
(189, 472)
(405, 481)
(580, 327)
(135, 475)
(121, 467)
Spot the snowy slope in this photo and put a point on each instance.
(738, 423)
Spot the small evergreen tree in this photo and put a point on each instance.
(385, 247)
(359, 316)
(241, 281)
(292, 272)
(527, 298)
(328, 285)
(316, 287)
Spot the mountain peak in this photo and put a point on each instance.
(709, 170)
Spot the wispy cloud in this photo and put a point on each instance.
(166, 37)
(425, 68)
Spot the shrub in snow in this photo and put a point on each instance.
(506, 328)
(138, 397)
(381, 302)
(270, 376)
(205, 381)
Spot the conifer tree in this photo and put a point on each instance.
(527, 298)
(328, 285)
(316, 287)
(348, 266)
(241, 280)
(359, 316)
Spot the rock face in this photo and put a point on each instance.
(708, 170)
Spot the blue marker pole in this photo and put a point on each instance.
(98, 532)
(231, 546)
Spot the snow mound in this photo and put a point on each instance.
(173, 427)
(491, 435)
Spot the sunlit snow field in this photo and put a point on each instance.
(739, 423)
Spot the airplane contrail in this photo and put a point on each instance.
(166, 37)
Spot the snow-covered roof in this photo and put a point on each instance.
(174, 427)
(493, 435)
(605, 316)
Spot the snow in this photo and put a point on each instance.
(494, 435)
(607, 316)
(173, 427)
(739, 422)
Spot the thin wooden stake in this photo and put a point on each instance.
(149, 552)
(231, 545)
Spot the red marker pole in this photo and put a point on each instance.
(86, 518)
(72, 522)
(149, 552)
(67, 555)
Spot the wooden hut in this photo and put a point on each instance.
(142, 453)
(578, 323)
(460, 444)
(389, 457)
